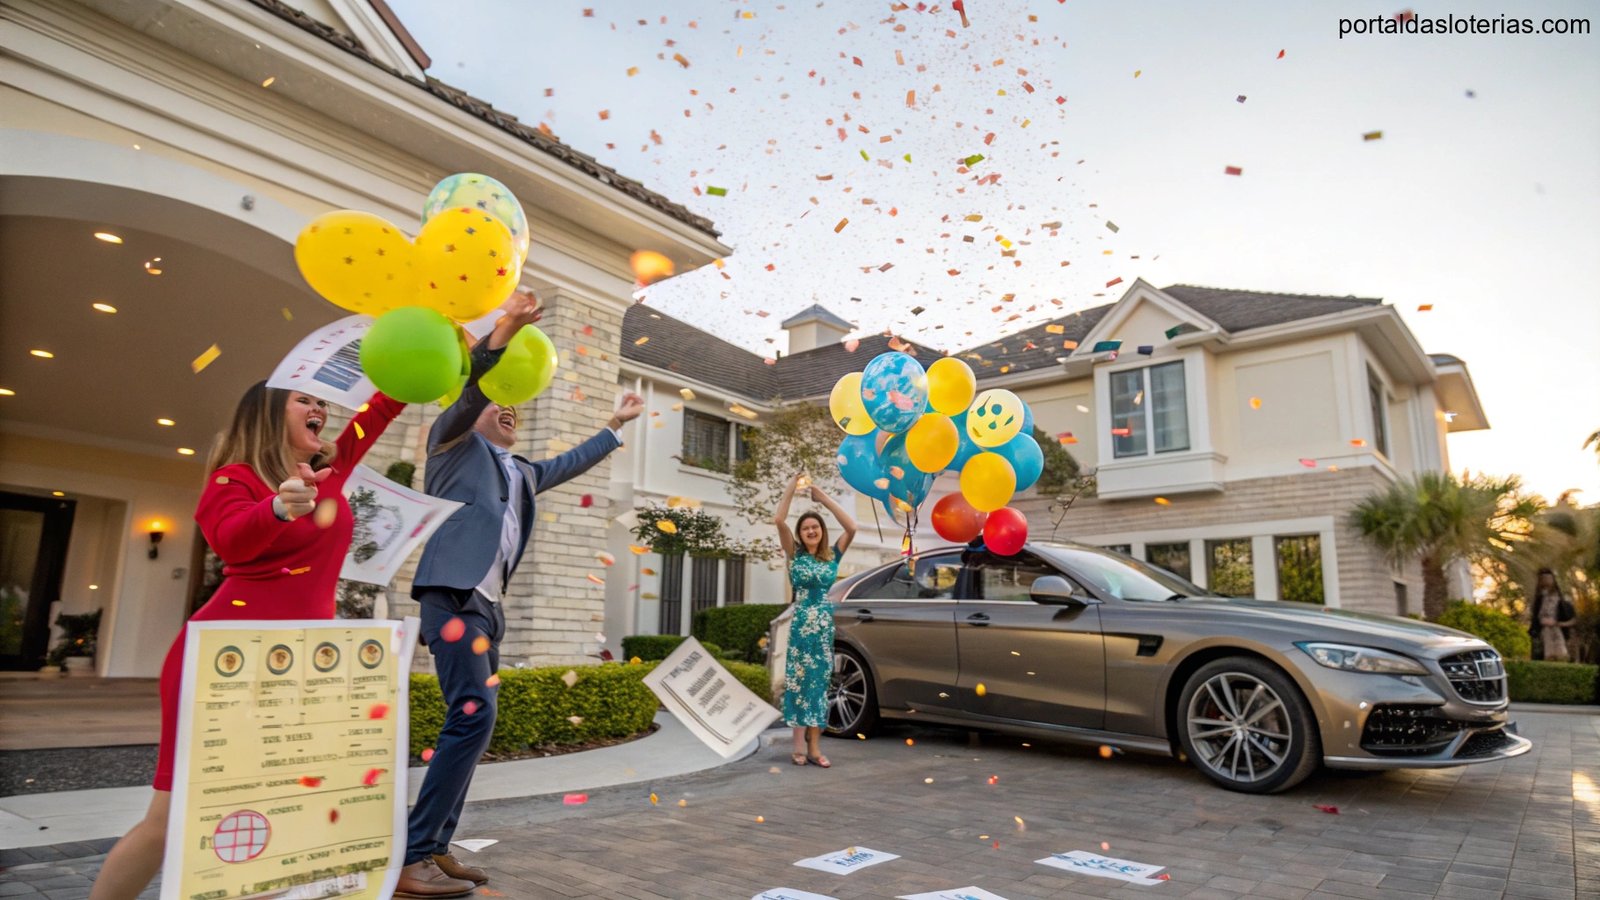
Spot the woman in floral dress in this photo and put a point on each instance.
(813, 567)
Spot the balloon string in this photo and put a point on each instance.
(875, 523)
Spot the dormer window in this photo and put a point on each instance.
(1149, 410)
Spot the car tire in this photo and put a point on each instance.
(1245, 725)
(852, 699)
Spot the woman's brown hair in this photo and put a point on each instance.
(257, 438)
(824, 549)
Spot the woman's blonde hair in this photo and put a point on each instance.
(824, 549)
(258, 438)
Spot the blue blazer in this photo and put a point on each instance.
(462, 466)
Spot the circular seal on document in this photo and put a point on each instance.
(230, 661)
(370, 654)
(326, 657)
(241, 836)
(279, 659)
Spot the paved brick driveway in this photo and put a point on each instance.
(1526, 828)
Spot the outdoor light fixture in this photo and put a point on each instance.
(108, 237)
(7, 392)
(156, 533)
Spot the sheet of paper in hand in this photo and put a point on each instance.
(966, 893)
(1104, 866)
(289, 776)
(390, 522)
(327, 364)
(711, 703)
(843, 862)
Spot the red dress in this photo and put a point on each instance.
(273, 569)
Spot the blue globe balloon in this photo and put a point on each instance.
(894, 389)
(1025, 457)
(1027, 421)
(966, 449)
(859, 467)
(911, 485)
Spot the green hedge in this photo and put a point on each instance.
(1503, 632)
(650, 647)
(739, 628)
(535, 704)
(1551, 682)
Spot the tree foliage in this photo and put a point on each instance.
(799, 437)
(692, 532)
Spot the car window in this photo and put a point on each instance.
(934, 578)
(1008, 577)
(1123, 577)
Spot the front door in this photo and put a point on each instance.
(902, 616)
(1037, 662)
(33, 552)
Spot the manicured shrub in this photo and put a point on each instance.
(650, 647)
(1503, 632)
(1532, 681)
(739, 628)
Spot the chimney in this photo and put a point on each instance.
(815, 327)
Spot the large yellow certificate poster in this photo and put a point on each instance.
(290, 771)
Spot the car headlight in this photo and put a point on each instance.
(1361, 659)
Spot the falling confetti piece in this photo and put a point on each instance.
(1308, 463)
(638, 550)
(840, 227)
(1021, 825)
(910, 742)
(680, 60)
(586, 501)
(642, 341)
(1372, 136)
(570, 678)
(205, 359)
(1280, 53)
(1233, 170)
(1426, 307)
(860, 736)
(1112, 226)
(378, 711)
(575, 720)
(327, 510)
(595, 579)
(469, 707)
(333, 815)
(1105, 751)
(994, 779)
(269, 81)
(480, 644)
(973, 160)
(287, 315)
(636, 660)
(492, 681)
(1114, 281)
(1358, 442)
(575, 799)
(1330, 810)
(981, 690)
(927, 781)
(1255, 402)
(1240, 98)
(666, 526)
(1105, 845)
(716, 191)
(682, 803)
(372, 776)
(1162, 501)
(453, 629)
(238, 603)
(654, 799)
(310, 781)
(761, 820)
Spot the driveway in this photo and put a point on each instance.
(1528, 827)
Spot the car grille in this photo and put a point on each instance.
(1477, 675)
(1401, 729)
(1484, 743)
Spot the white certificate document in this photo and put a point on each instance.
(391, 521)
(843, 862)
(715, 706)
(327, 364)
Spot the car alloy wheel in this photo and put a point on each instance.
(852, 705)
(1246, 727)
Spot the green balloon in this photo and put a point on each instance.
(524, 371)
(412, 354)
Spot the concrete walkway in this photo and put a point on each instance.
(37, 820)
(52, 710)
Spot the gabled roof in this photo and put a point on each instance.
(504, 121)
(676, 346)
(816, 312)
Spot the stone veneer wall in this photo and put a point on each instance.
(1365, 580)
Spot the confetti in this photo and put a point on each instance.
(1162, 501)
(1308, 463)
(333, 815)
(453, 629)
(686, 394)
(666, 526)
(1426, 307)
(1240, 98)
(1255, 402)
(492, 681)
(910, 742)
(761, 820)
(570, 678)
(480, 644)
(654, 799)
(469, 707)
(973, 160)
(980, 690)
(310, 781)
(1358, 442)
(1330, 810)
(638, 550)
(682, 803)
(1372, 136)
(269, 81)
(206, 358)
(1114, 281)
(642, 341)
(840, 227)
(595, 579)
(378, 711)
(287, 315)
(575, 799)
(1233, 170)
(716, 191)
(327, 510)
(372, 776)
(575, 720)
(1280, 53)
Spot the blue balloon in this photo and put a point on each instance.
(966, 449)
(894, 389)
(911, 485)
(858, 465)
(1025, 457)
(1027, 423)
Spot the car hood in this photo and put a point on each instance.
(1322, 623)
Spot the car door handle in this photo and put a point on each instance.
(863, 615)
(978, 618)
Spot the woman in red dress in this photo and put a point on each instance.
(274, 510)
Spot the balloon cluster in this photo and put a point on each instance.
(904, 425)
(464, 263)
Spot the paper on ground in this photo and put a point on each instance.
(966, 893)
(713, 705)
(327, 364)
(1103, 866)
(473, 845)
(789, 894)
(843, 862)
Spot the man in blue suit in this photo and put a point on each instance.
(465, 569)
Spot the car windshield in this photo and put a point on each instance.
(1121, 576)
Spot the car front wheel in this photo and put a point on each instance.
(852, 702)
(1246, 726)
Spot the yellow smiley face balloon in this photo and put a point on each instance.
(995, 417)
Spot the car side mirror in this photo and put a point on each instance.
(1057, 590)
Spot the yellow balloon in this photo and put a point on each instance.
(950, 386)
(988, 481)
(465, 263)
(932, 442)
(845, 404)
(995, 417)
(357, 261)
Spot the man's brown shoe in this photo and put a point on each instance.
(455, 868)
(424, 879)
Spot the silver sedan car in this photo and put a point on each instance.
(1079, 643)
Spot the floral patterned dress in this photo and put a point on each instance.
(809, 665)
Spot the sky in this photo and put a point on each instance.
(1461, 171)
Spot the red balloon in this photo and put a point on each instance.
(1006, 531)
(955, 519)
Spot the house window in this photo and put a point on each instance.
(1399, 598)
(741, 442)
(1300, 568)
(1172, 557)
(1378, 399)
(672, 594)
(733, 581)
(1124, 549)
(706, 441)
(1149, 408)
(1229, 570)
(702, 584)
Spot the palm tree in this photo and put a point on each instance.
(1437, 518)
(1593, 440)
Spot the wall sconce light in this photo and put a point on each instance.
(156, 533)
